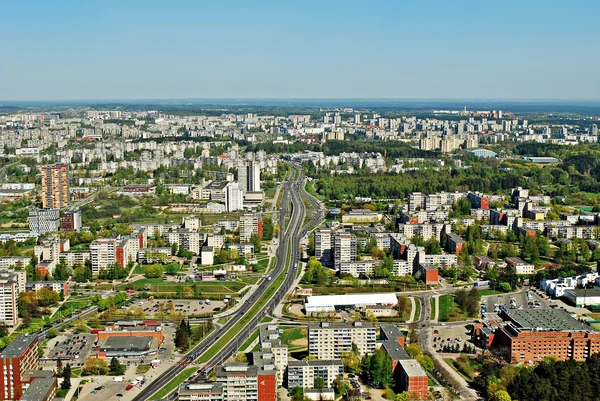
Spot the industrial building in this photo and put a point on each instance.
(331, 303)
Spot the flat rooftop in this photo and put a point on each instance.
(582, 292)
(38, 390)
(141, 343)
(395, 350)
(18, 345)
(546, 319)
(412, 368)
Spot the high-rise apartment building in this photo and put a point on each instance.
(19, 357)
(9, 296)
(55, 186)
(103, 252)
(42, 221)
(344, 249)
(327, 340)
(249, 175)
(234, 197)
(323, 246)
(71, 220)
(250, 224)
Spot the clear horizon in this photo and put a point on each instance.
(112, 51)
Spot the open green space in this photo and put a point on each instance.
(142, 369)
(489, 292)
(449, 310)
(292, 334)
(433, 307)
(173, 384)
(417, 309)
(270, 192)
(249, 341)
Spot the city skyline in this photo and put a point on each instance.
(537, 50)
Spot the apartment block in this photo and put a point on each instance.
(344, 249)
(103, 253)
(250, 224)
(19, 357)
(55, 186)
(323, 246)
(242, 382)
(303, 373)
(9, 297)
(186, 239)
(71, 220)
(42, 221)
(327, 340)
(272, 349)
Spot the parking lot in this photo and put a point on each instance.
(451, 335)
(536, 299)
(73, 347)
(189, 307)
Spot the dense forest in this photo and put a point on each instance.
(550, 380)
(579, 171)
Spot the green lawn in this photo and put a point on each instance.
(270, 192)
(446, 307)
(173, 384)
(417, 309)
(293, 333)
(433, 307)
(449, 310)
(249, 341)
(141, 369)
(489, 292)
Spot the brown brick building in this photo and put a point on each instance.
(20, 356)
(533, 334)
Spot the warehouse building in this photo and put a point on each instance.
(331, 303)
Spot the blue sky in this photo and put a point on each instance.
(526, 49)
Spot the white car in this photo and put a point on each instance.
(118, 379)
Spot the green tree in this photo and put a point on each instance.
(116, 368)
(319, 383)
(95, 366)
(403, 396)
(66, 375)
(379, 365)
(502, 395)
(153, 271)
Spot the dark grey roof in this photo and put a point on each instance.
(18, 345)
(546, 319)
(38, 389)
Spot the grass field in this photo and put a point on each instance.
(595, 326)
(173, 384)
(417, 309)
(449, 311)
(291, 334)
(433, 307)
(249, 341)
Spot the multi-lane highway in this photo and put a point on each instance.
(288, 254)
